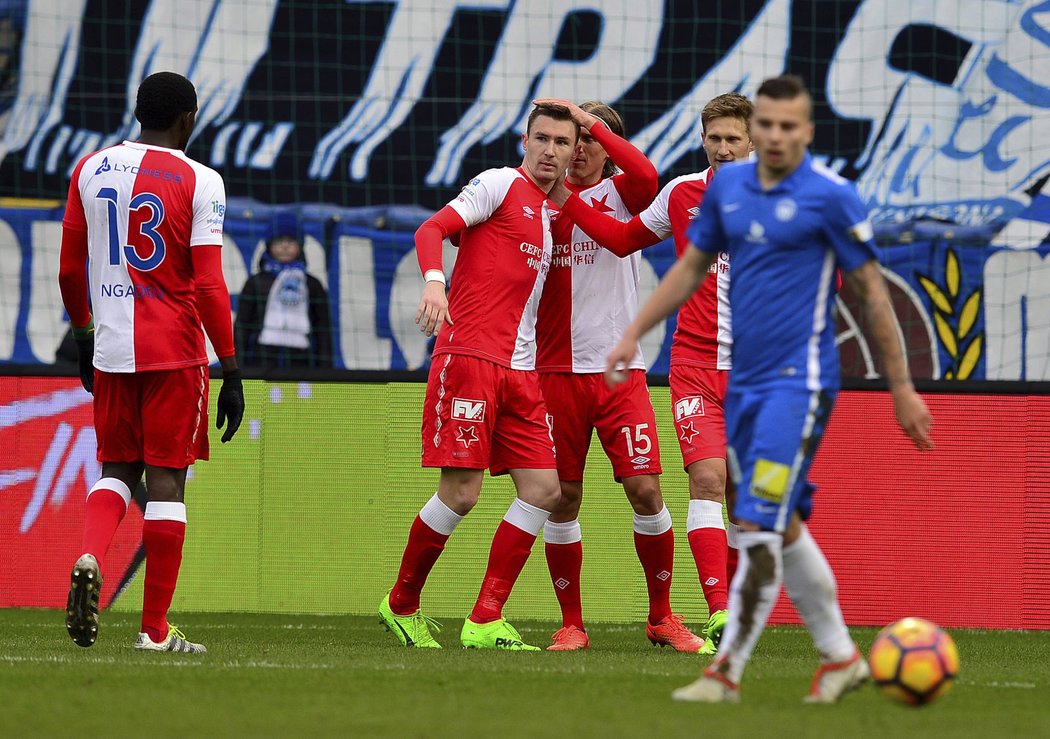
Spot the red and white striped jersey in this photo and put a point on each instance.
(591, 294)
(703, 337)
(143, 208)
(504, 256)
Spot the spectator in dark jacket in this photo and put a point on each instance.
(283, 317)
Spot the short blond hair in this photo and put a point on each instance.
(729, 105)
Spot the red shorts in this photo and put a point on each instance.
(698, 404)
(478, 414)
(623, 417)
(160, 418)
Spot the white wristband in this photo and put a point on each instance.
(434, 275)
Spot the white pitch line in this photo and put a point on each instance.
(228, 664)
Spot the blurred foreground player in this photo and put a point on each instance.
(142, 236)
(483, 406)
(786, 222)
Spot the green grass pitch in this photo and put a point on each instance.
(294, 676)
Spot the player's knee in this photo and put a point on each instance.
(569, 502)
(644, 495)
(706, 484)
(461, 500)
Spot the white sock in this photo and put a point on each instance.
(732, 535)
(704, 514)
(757, 582)
(439, 516)
(653, 525)
(527, 517)
(564, 532)
(811, 585)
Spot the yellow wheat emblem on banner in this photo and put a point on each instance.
(955, 319)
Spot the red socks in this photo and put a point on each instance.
(510, 550)
(654, 542)
(711, 555)
(511, 547)
(421, 553)
(107, 503)
(565, 562)
(163, 532)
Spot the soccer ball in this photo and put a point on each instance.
(913, 661)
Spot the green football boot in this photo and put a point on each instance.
(412, 630)
(495, 635)
(715, 626)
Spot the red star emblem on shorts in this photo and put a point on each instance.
(599, 204)
(686, 432)
(466, 435)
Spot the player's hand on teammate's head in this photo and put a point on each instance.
(914, 418)
(230, 404)
(85, 341)
(583, 119)
(433, 309)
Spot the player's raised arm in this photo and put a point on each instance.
(622, 239)
(912, 414)
(681, 281)
(433, 306)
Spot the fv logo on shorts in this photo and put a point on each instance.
(465, 409)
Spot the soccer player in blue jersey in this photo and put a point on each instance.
(787, 223)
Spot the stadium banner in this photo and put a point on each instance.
(307, 511)
(969, 310)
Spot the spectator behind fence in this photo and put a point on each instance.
(282, 317)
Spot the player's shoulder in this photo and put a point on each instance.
(821, 174)
(495, 176)
(692, 181)
(97, 162)
(202, 172)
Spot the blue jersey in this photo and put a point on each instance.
(784, 245)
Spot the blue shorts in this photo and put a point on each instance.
(773, 434)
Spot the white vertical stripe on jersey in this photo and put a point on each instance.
(724, 334)
(524, 356)
(114, 317)
(820, 318)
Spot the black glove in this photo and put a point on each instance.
(85, 340)
(230, 404)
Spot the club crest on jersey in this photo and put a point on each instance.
(465, 409)
(756, 234)
(785, 209)
(104, 167)
(689, 407)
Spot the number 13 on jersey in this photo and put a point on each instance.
(147, 229)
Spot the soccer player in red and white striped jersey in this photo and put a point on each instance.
(483, 406)
(142, 236)
(700, 350)
(590, 296)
